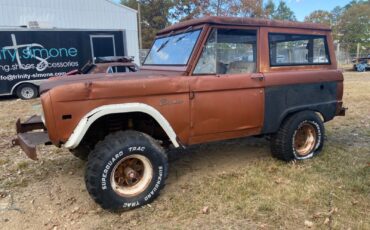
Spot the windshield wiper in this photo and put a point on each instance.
(183, 36)
(164, 44)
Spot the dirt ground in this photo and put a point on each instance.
(237, 181)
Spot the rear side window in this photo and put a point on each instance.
(294, 49)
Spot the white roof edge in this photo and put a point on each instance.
(122, 6)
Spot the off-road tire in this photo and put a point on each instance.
(27, 91)
(110, 154)
(283, 142)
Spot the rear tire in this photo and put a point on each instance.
(300, 137)
(126, 170)
(27, 91)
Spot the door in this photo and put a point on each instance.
(102, 46)
(227, 95)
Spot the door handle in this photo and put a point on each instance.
(258, 77)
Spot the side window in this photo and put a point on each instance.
(292, 49)
(228, 51)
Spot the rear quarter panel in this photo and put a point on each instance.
(289, 89)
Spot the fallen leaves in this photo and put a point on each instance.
(76, 209)
(281, 180)
(327, 220)
(205, 210)
(3, 194)
(308, 223)
(325, 214)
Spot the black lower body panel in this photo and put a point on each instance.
(286, 99)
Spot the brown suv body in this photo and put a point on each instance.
(205, 108)
(173, 104)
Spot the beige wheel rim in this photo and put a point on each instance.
(131, 175)
(305, 139)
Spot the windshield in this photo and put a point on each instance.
(172, 50)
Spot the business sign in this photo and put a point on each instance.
(34, 55)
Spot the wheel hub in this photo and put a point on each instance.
(27, 92)
(131, 175)
(305, 139)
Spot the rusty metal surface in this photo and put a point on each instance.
(103, 67)
(115, 59)
(243, 21)
(105, 77)
(29, 141)
(27, 138)
(305, 77)
(149, 90)
(33, 123)
(218, 99)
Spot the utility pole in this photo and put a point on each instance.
(358, 50)
(139, 15)
(338, 48)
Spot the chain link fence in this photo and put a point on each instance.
(345, 58)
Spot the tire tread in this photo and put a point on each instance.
(281, 146)
(95, 160)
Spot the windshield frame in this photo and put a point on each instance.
(175, 33)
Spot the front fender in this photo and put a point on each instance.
(84, 124)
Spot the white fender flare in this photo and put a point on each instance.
(84, 124)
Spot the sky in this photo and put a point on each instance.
(303, 8)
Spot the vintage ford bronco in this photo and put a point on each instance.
(203, 80)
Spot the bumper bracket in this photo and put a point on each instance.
(30, 134)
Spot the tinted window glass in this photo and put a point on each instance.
(172, 50)
(228, 51)
(291, 49)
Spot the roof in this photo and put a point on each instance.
(240, 21)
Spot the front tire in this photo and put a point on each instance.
(126, 170)
(300, 137)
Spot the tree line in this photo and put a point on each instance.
(350, 24)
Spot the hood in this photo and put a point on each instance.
(89, 78)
